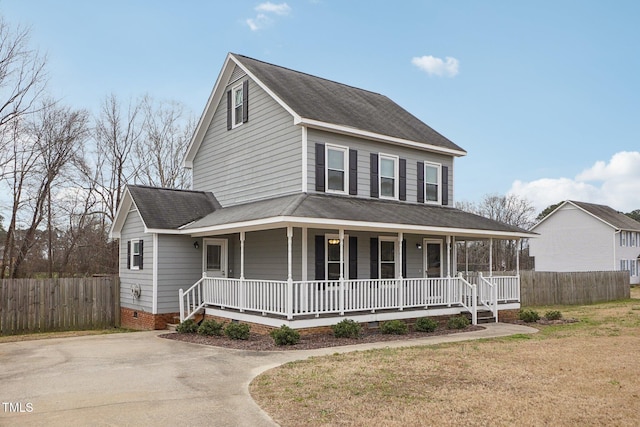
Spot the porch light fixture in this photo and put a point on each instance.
(419, 246)
(196, 245)
(334, 241)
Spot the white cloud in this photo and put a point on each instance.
(278, 9)
(436, 66)
(266, 10)
(615, 183)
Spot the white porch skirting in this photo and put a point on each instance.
(368, 299)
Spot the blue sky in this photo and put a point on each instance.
(543, 95)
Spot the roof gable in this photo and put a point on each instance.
(317, 102)
(603, 213)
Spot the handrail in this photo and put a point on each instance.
(191, 295)
(473, 306)
(489, 301)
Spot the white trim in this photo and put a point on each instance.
(283, 221)
(396, 177)
(305, 165)
(346, 130)
(393, 239)
(154, 275)
(234, 90)
(344, 254)
(305, 260)
(425, 262)
(438, 166)
(345, 168)
(224, 255)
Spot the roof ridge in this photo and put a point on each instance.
(309, 74)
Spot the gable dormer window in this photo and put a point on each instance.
(388, 176)
(238, 105)
(432, 173)
(337, 166)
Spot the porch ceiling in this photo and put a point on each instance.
(331, 211)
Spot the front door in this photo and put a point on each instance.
(214, 257)
(432, 258)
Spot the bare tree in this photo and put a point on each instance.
(159, 152)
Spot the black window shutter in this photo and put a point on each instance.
(141, 253)
(128, 254)
(420, 182)
(404, 258)
(403, 179)
(245, 101)
(320, 168)
(374, 258)
(229, 107)
(445, 185)
(320, 257)
(353, 172)
(374, 176)
(353, 257)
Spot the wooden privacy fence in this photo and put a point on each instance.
(551, 288)
(42, 305)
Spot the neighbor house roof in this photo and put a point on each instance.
(353, 212)
(609, 215)
(324, 104)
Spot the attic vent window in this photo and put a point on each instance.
(237, 106)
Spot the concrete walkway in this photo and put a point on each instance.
(142, 380)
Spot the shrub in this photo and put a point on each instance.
(529, 316)
(285, 336)
(189, 326)
(395, 327)
(426, 324)
(457, 322)
(237, 331)
(347, 328)
(211, 327)
(553, 315)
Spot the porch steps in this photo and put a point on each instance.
(198, 318)
(484, 316)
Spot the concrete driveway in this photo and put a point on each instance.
(142, 380)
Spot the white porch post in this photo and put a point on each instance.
(454, 245)
(289, 272)
(491, 257)
(466, 256)
(400, 277)
(242, 289)
(448, 271)
(341, 237)
(304, 299)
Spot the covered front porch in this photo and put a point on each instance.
(309, 275)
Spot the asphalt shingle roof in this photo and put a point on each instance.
(353, 209)
(610, 215)
(327, 101)
(168, 209)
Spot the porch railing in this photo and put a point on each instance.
(488, 295)
(295, 299)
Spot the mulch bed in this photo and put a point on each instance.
(308, 342)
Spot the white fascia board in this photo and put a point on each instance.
(162, 231)
(121, 215)
(283, 221)
(207, 114)
(550, 214)
(346, 130)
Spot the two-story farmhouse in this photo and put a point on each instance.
(579, 236)
(312, 201)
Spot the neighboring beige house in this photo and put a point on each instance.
(580, 236)
(312, 202)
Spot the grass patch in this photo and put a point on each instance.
(62, 334)
(580, 373)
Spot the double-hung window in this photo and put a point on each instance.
(432, 173)
(238, 97)
(134, 254)
(388, 176)
(337, 169)
(387, 258)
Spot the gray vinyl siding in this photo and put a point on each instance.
(259, 159)
(265, 255)
(134, 229)
(179, 266)
(365, 148)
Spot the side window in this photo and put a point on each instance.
(388, 176)
(387, 258)
(135, 253)
(432, 173)
(337, 175)
(237, 105)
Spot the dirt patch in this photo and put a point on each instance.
(308, 342)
